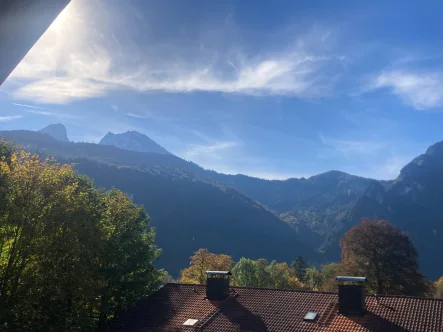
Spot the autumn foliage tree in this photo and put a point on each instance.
(203, 261)
(386, 256)
(246, 272)
(439, 288)
(71, 256)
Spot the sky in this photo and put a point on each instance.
(271, 89)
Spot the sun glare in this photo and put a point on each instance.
(61, 20)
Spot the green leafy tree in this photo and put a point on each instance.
(71, 256)
(259, 273)
(279, 274)
(37, 214)
(263, 275)
(7, 149)
(314, 278)
(386, 256)
(127, 253)
(329, 272)
(245, 273)
(299, 266)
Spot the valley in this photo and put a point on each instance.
(193, 208)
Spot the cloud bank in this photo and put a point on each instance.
(77, 60)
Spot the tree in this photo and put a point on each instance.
(203, 261)
(7, 149)
(168, 279)
(127, 253)
(299, 266)
(439, 288)
(279, 274)
(386, 256)
(259, 273)
(294, 283)
(245, 273)
(71, 256)
(314, 278)
(38, 204)
(263, 275)
(329, 272)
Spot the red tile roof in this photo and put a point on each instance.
(253, 309)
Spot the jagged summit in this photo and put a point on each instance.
(133, 141)
(57, 131)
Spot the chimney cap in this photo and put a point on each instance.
(223, 273)
(352, 279)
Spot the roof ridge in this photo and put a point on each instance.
(259, 288)
(405, 296)
(310, 291)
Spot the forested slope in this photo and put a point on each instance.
(189, 210)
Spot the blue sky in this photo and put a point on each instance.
(273, 89)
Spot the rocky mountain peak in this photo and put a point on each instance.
(133, 141)
(57, 131)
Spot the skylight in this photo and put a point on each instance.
(310, 316)
(190, 322)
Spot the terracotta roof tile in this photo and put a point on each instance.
(252, 309)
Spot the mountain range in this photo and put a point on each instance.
(244, 216)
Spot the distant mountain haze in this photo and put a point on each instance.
(236, 214)
(58, 131)
(132, 141)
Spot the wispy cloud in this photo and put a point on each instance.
(137, 116)
(40, 112)
(421, 90)
(72, 63)
(10, 118)
(28, 106)
(33, 109)
(212, 151)
(60, 90)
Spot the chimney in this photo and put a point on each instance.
(217, 285)
(351, 295)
